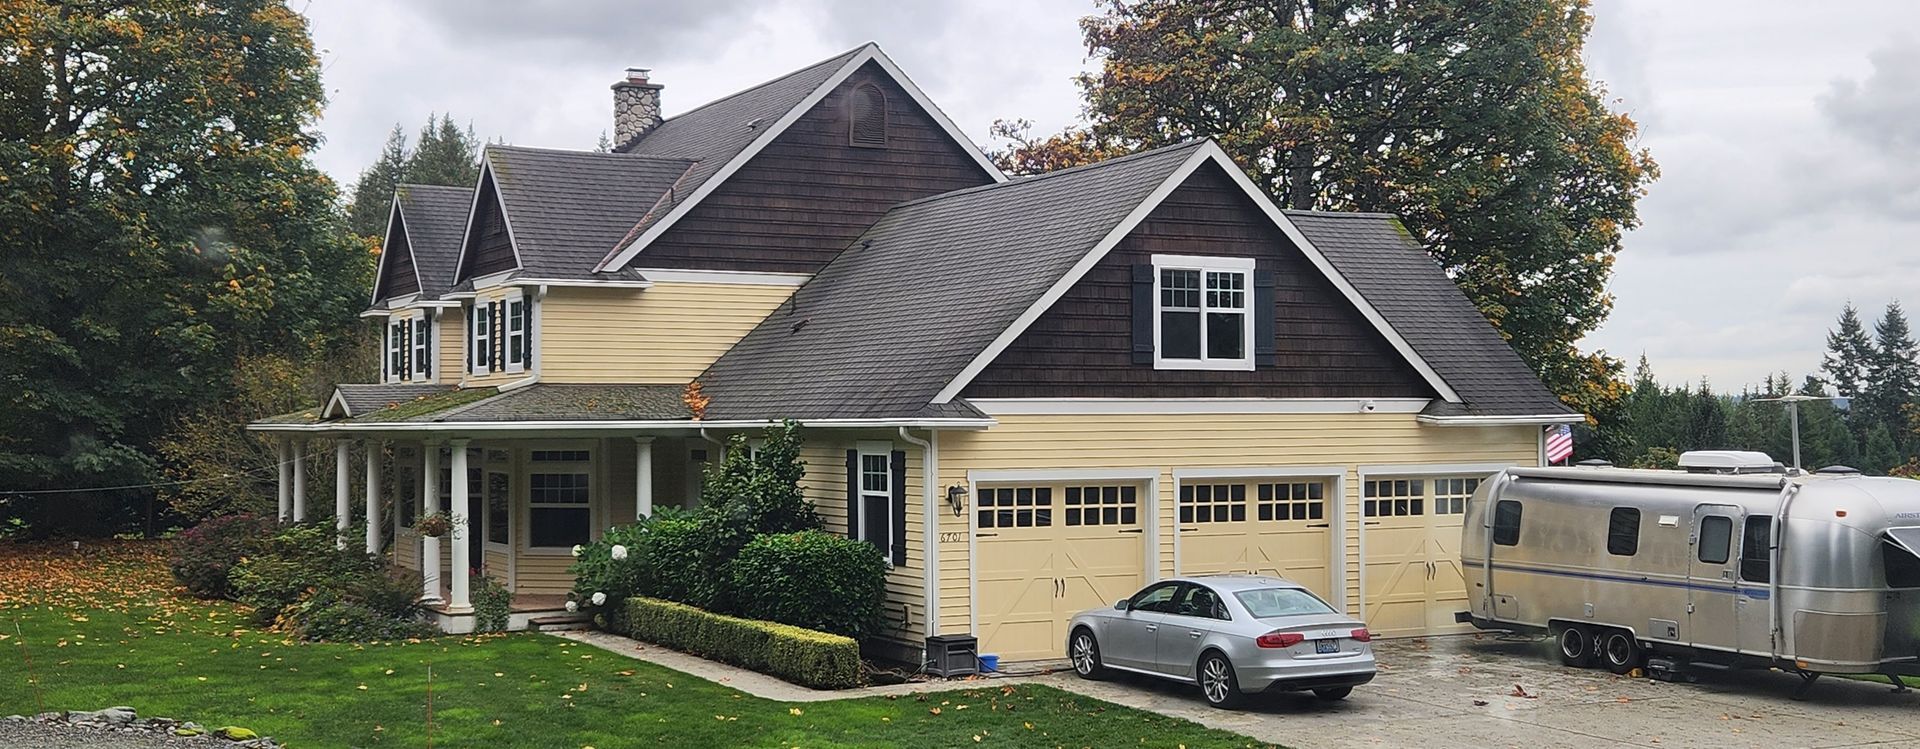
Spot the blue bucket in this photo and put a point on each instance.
(989, 664)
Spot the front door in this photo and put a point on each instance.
(1712, 578)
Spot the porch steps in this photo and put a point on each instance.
(560, 623)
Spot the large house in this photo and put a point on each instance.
(1034, 395)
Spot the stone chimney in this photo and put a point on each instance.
(636, 108)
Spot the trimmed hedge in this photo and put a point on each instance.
(802, 656)
(812, 579)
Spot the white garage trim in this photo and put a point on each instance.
(1196, 406)
(1336, 514)
(1151, 521)
(1427, 470)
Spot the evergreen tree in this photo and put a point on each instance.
(373, 193)
(1848, 352)
(1893, 375)
(445, 155)
(1880, 452)
(1706, 422)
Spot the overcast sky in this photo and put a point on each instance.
(1788, 133)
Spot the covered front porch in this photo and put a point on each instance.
(520, 475)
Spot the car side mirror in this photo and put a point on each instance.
(1121, 605)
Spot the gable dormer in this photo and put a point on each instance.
(488, 245)
(397, 274)
(791, 171)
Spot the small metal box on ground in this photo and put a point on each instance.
(953, 655)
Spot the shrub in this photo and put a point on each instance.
(331, 615)
(672, 558)
(811, 579)
(802, 656)
(596, 570)
(492, 605)
(204, 556)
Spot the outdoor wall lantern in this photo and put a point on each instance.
(957, 499)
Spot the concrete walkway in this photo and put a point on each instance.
(751, 682)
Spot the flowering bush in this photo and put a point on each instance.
(608, 566)
(204, 555)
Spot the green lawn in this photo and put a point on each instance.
(95, 643)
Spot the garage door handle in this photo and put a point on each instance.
(1133, 530)
(985, 535)
(1371, 522)
(1319, 525)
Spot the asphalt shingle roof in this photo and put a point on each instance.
(894, 318)
(1396, 275)
(365, 399)
(574, 402)
(567, 207)
(436, 219)
(714, 133)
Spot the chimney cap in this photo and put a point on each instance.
(638, 75)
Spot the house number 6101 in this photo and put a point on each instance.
(952, 537)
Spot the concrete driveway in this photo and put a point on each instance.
(1465, 692)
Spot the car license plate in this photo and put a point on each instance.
(1326, 646)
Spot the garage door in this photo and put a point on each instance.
(1047, 552)
(1260, 527)
(1412, 526)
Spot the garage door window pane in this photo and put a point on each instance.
(1014, 507)
(1102, 505)
(1396, 498)
(1298, 500)
(1213, 503)
(1450, 495)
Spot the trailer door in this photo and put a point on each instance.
(1713, 578)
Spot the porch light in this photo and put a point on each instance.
(957, 499)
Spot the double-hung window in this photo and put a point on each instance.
(875, 498)
(559, 498)
(480, 337)
(422, 348)
(515, 329)
(394, 353)
(1201, 318)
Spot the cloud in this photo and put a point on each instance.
(1881, 111)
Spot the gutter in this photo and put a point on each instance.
(1500, 421)
(644, 425)
(929, 527)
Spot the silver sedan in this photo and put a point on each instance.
(1233, 635)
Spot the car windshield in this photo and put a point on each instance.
(1265, 603)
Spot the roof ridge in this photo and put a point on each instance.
(1340, 214)
(766, 83)
(417, 185)
(1031, 179)
(573, 152)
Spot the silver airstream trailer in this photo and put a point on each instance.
(1736, 564)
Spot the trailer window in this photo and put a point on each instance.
(1506, 522)
(1623, 531)
(1716, 539)
(1756, 549)
(1903, 568)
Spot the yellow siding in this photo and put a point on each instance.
(452, 363)
(825, 484)
(666, 334)
(465, 312)
(543, 573)
(1166, 442)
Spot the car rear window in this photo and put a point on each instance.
(1270, 602)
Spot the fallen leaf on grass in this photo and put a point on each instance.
(934, 710)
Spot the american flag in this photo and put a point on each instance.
(1559, 443)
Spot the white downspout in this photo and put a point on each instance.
(929, 526)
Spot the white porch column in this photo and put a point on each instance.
(429, 504)
(373, 450)
(459, 600)
(284, 477)
(342, 491)
(642, 477)
(299, 481)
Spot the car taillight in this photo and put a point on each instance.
(1363, 635)
(1280, 639)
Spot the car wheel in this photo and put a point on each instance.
(1575, 645)
(1621, 651)
(1333, 694)
(1217, 681)
(1085, 654)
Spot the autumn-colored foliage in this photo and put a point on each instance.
(109, 574)
(696, 400)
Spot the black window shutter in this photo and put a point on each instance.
(406, 350)
(899, 514)
(853, 494)
(472, 342)
(526, 332)
(1143, 313)
(426, 330)
(1264, 312)
(499, 343)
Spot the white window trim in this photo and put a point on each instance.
(595, 485)
(477, 341)
(856, 520)
(423, 347)
(390, 349)
(1203, 264)
(507, 321)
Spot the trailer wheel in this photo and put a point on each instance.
(1575, 644)
(1621, 651)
